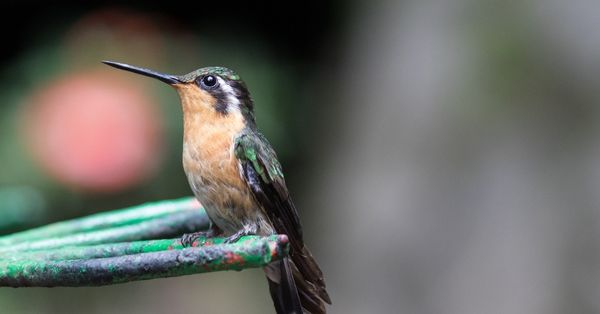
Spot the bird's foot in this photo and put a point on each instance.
(247, 230)
(188, 239)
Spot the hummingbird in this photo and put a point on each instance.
(234, 172)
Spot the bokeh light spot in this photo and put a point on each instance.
(95, 131)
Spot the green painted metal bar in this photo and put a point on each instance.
(111, 219)
(110, 249)
(118, 246)
(163, 227)
(92, 251)
(254, 252)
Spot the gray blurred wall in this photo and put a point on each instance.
(464, 159)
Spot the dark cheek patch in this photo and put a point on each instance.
(240, 92)
(221, 104)
(221, 107)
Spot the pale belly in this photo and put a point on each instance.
(229, 206)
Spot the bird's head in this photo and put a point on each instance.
(210, 91)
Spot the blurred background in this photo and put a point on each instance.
(444, 155)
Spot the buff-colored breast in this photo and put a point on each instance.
(210, 163)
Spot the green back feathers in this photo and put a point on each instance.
(255, 148)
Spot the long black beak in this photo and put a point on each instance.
(167, 78)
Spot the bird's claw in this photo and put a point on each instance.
(236, 236)
(188, 239)
(232, 239)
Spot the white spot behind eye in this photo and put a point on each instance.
(232, 100)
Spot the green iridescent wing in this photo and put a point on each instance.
(264, 175)
(262, 172)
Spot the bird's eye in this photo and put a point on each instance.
(209, 81)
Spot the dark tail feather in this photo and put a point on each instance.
(284, 293)
(297, 283)
(309, 273)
